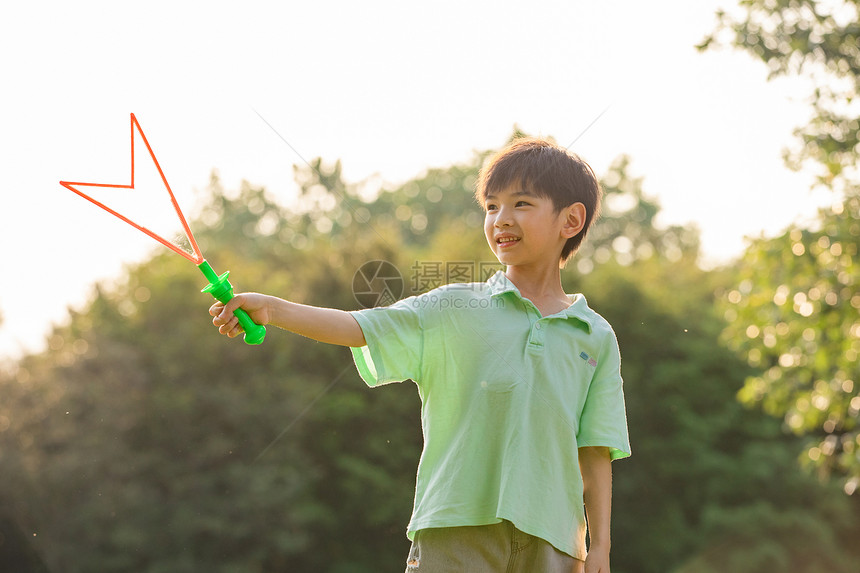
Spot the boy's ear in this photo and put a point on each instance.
(574, 221)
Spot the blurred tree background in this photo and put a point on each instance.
(140, 440)
(794, 311)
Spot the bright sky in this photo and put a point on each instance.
(390, 88)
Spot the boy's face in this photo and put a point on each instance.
(523, 228)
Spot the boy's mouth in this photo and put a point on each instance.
(507, 241)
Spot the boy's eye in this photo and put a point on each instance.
(491, 207)
(523, 203)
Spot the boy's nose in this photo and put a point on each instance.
(503, 219)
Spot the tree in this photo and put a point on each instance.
(716, 483)
(820, 40)
(794, 313)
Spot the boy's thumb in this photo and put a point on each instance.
(231, 305)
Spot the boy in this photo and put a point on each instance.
(520, 384)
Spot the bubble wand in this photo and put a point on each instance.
(219, 287)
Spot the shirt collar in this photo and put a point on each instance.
(499, 284)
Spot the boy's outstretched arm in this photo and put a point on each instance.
(327, 325)
(596, 467)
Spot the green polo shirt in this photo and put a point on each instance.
(507, 398)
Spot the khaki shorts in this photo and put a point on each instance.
(498, 548)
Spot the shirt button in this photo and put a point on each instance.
(538, 326)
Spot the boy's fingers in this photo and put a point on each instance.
(230, 327)
(232, 305)
(235, 329)
(216, 308)
(219, 317)
(223, 312)
(224, 317)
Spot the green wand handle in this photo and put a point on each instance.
(222, 290)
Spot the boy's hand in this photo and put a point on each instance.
(597, 561)
(327, 325)
(256, 305)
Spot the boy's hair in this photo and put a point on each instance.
(545, 169)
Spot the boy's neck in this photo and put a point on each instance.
(538, 284)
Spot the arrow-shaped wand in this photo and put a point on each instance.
(218, 286)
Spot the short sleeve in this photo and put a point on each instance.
(604, 419)
(394, 343)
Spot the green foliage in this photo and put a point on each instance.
(143, 441)
(820, 40)
(626, 230)
(766, 537)
(796, 304)
(159, 445)
(795, 317)
(716, 485)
